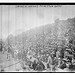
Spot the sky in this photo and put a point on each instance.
(15, 19)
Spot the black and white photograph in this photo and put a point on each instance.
(37, 38)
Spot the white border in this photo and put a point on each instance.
(37, 1)
(63, 1)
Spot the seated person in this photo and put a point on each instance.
(62, 65)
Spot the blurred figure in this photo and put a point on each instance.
(40, 66)
(49, 64)
(62, 64)
(34, 65)
(1, 68)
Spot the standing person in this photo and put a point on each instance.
(1, 68)
(49, 64)
(34, 65)
(54, 64)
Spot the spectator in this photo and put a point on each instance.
(34, 65)
(40, 66)
(63, 65)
